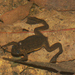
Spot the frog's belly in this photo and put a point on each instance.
(33, 49)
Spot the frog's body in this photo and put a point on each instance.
(32, 45)
(28, 45)
(34, 42)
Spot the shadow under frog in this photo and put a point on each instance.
(34, 42)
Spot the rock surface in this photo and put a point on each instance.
(60, 5)
(58, 21)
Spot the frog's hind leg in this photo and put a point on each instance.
(52, 48)
(25, 58)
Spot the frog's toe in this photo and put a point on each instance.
(53, 60)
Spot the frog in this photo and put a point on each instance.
(34, 42)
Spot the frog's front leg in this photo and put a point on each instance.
(10, 43)
(5, 46)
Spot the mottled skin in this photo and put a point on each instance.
(34, 42)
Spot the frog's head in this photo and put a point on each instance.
(16, 51)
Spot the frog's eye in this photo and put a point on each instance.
(13, 46)
(18, 51)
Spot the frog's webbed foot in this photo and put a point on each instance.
(4, 49)
(33, 20)
(53, 60)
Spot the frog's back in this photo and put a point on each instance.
(33, 42)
